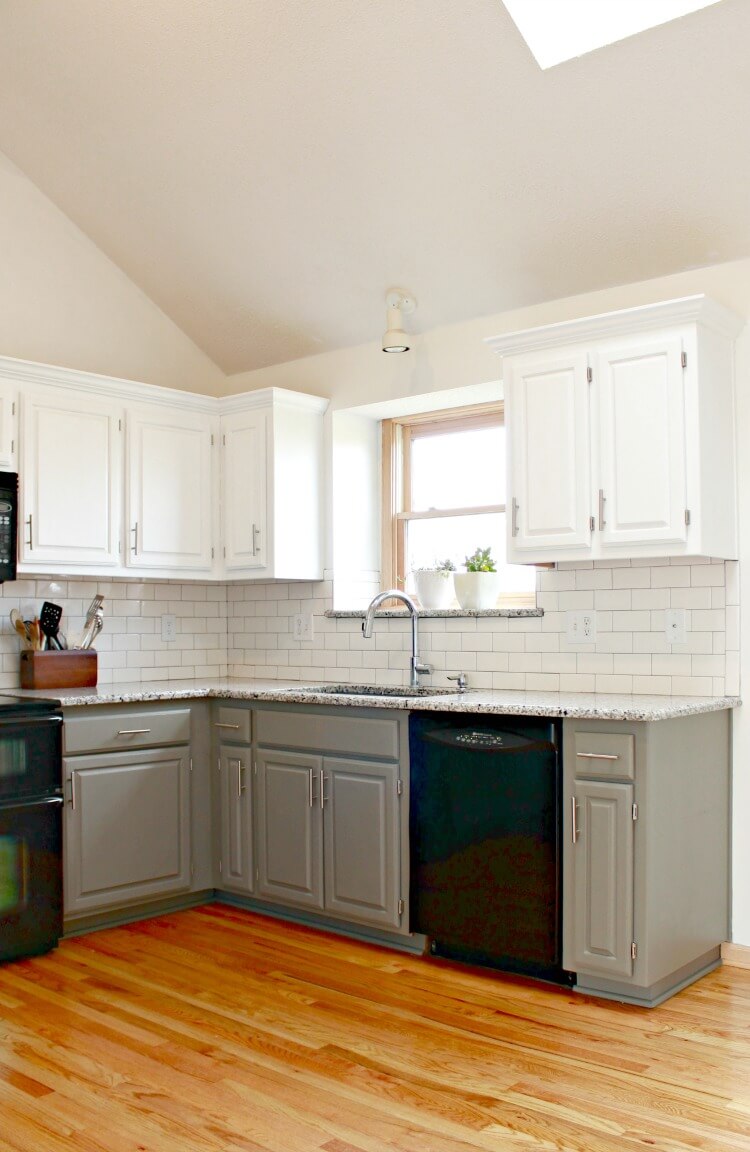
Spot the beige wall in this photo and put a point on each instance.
(63, 302)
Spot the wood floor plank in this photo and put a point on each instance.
(216, 1029)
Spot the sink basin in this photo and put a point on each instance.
(370, 690)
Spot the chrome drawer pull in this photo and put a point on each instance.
(223, 724)
(574, 814)
(133, 731)
(597, 756)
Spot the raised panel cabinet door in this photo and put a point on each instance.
(603, 878)
(236, 865)
(642, 465)
(245, 489)
(547, 411)
(71, 479)
(288, 828)
(170, 489)
(127, 827)
(362, 842)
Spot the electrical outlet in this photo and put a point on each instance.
(580, 627)
(675, 626)
(302, 626)
(168, 628)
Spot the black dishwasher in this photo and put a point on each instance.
(485, 840)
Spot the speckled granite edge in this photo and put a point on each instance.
(584, 706)
(436, 613)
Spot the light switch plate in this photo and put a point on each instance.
(168, 628)
(580, 627)
(302, 626)
(675, 626)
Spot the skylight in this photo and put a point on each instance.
(558, 30)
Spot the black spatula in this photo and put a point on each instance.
(49, 622)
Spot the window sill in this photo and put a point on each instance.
(433, 613)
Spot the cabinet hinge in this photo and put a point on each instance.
(192, 870)
(687, 517)
(12, 445)
(225, 553)
(399, 787)
(683, 360)
(212, 553)
(255, 769)
(191, 763)
(634, 951)
(635, 811)
(212, 439)
(13, 408)
(218, 763)
(592, 523)
(400, 907)
(224, 441)
(220, 867)
(589, 375)
(257, 875)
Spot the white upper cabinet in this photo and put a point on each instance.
(170, 489)
(70, 481)
(8, 425)
(549, 432)
(621, 435)
(272, 485)
(244, 489)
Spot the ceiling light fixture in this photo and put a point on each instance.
(398, 303)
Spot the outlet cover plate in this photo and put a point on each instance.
(168, 628)
(302, 626)
(675, 626)
(580, 627)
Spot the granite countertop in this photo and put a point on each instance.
(604, 706)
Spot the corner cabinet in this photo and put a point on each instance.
(272, 486)
(621, 435)
(645, 859)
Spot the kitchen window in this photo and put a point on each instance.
(444, 496)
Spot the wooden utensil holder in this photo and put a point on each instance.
(71, 669)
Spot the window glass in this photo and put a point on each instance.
(456, 537)
(458, 469)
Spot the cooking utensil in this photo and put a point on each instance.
(49, 622)
(95, 611)
(35, 634)
(20, 627)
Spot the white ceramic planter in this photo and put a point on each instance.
(434, 589)
(477, 590)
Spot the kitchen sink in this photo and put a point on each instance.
(370, 690)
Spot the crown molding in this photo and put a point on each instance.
(274, 397)
(630, 321)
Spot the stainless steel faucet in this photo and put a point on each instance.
(417, 669)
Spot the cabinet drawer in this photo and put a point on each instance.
(126, 730)
(232, 725)
(605, 755)
(326, 733)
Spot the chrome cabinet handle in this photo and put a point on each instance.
(602, 502)
(72, 800)
(514, 517)
(323, 797)
(31, 532)
(574, 815)
(134, 531)
(223, 724)
(310, 797)
(133, 731)
(256, 534)
(240, 785)
(596, 756)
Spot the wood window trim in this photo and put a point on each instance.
(397, 437)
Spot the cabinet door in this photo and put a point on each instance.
(71, 467)
(236, 819)
(170, 489)
(547, 404)
(603, 879)
(362, 844)
(8, 399)
(244, 488)
(127, 827)
(641, 443)
(289, 819)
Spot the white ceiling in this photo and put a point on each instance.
(266, 169)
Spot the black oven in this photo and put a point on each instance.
(8, 525)
(31, 804)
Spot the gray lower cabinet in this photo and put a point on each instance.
(127, 827)
(236, 862)
(328, 835)
(645, 853)
(289, 824)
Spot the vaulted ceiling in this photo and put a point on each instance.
(265, 169)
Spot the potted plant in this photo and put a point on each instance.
(434, 585)
(479, 586)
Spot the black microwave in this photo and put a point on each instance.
(8, 524)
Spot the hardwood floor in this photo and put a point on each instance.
(217, 1029)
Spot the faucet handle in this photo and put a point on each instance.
(460, 679)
